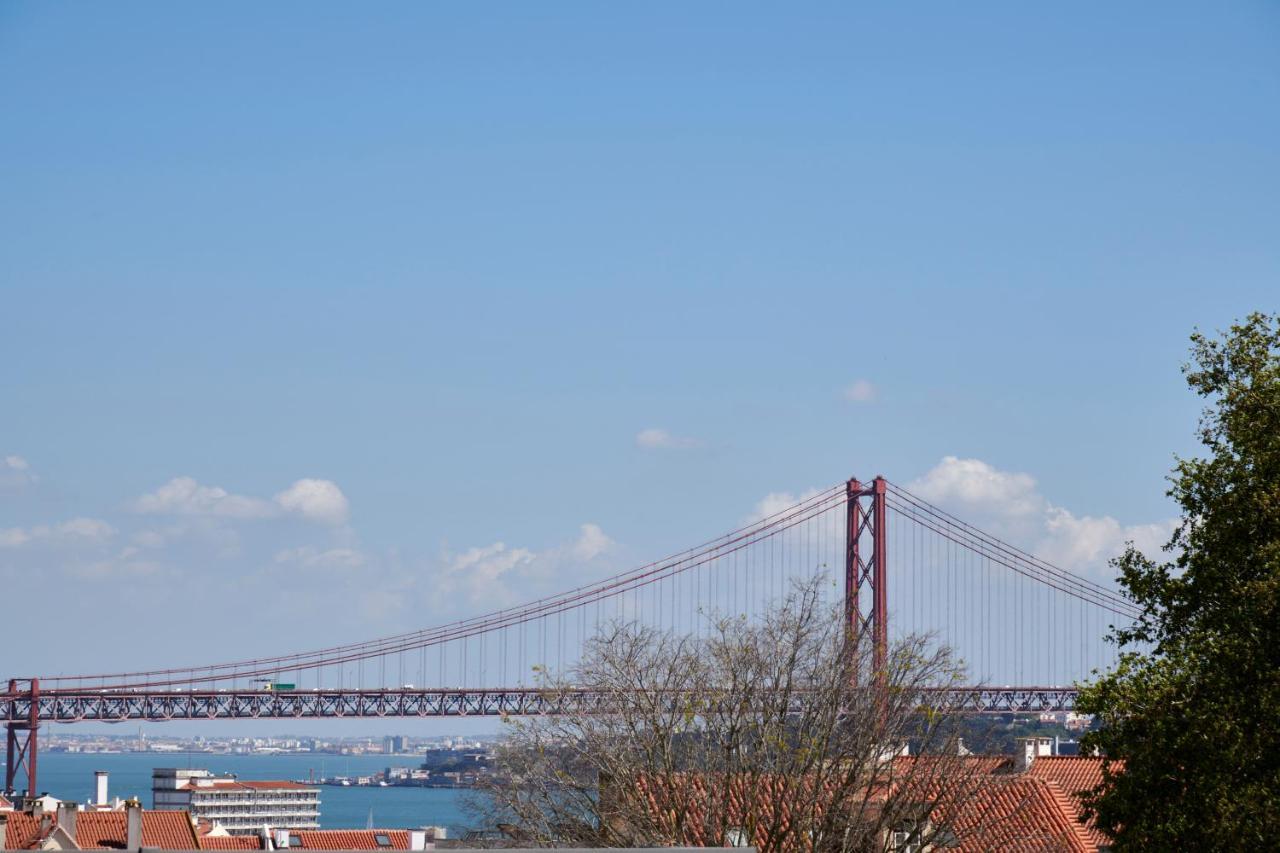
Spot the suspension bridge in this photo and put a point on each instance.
(1027, 630)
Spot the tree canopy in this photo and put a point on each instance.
(1193, 708)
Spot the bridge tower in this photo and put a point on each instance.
(865, 566)
(21, 746)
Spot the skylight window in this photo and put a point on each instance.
(382, 839)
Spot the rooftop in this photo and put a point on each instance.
(244, 785)
(103, 830)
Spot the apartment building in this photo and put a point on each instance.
(241, 807)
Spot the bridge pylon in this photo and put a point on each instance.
(866, 566)
(22, 734)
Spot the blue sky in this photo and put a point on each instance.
(404, 292)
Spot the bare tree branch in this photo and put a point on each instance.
(776, 734)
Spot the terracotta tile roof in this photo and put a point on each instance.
(1073, 774)
(317, 839)
(970, 765)
(987, 807)
(230, 842)
(351, 839)
(24, 830)
(4, 803)
(168, 830)
(1017, 814)
(165, 830)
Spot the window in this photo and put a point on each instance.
(382, 839)
(295, 840)
(905, 842)
(736, 837)
(906, 836)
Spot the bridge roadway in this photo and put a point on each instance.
(117, 706)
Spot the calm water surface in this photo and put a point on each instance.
(69, 775)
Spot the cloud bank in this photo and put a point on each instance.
(1010, 505)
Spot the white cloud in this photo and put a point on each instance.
(122, 566)
(1011, 506)
(659, 439)
(184, 496)
(1071, 540)
(861, 391)
(316, 500)
(485, 573)
(591, 543)
(85, 528)
(973, 484)
(76, 530)
(15, 472)
(12, 537)
(498, 575)
(311, 557)
(775, 502)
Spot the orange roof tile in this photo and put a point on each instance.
(168, 830)
(970, 765)
(24, 830)
(992, 810)
(230, 842)
(351, 839)
(1016, 814)
(1073, 774)
(163, 829)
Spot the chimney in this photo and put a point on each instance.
(99, 787)
(264, 839)
(133, 825)
(1028, 750)
(4, 829)
(961, 749)
(282, 839)
(417, 839)
(67, 818)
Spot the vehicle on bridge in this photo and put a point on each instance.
(274, 686)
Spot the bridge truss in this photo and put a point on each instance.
(71, 707)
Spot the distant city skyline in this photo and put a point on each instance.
(321, 327)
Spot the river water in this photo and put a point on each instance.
(69, 776)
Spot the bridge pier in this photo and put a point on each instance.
(22, 736)
(866, 565)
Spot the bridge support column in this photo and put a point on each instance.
(866, 565)
(22, 737)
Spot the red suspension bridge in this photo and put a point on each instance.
(1014, 619)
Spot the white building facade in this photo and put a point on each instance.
(239, 807)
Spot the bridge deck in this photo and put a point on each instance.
(121, 706)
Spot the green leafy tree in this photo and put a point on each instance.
(1193, 708)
